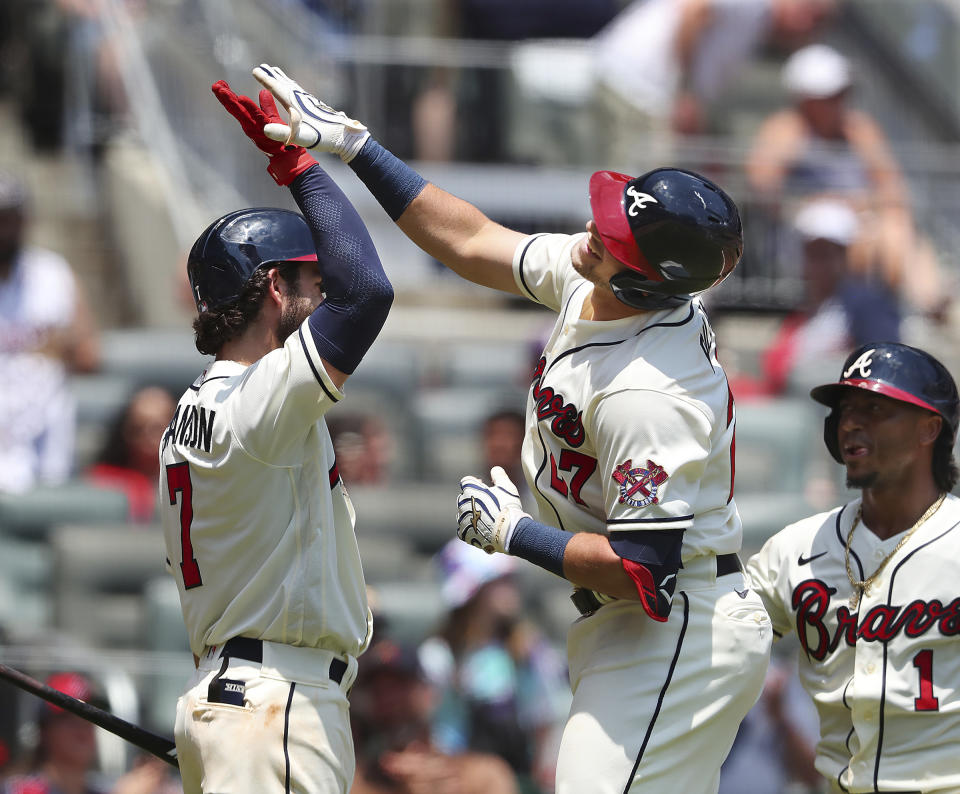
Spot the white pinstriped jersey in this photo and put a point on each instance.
(258, 527)
(629, 422)
(885, 678)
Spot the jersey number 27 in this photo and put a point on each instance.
(178, 481)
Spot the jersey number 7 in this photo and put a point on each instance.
(178, 481)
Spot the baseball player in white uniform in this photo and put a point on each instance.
(629, 451)
(871, 588)
(258, 527)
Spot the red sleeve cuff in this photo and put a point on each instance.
(286, 166)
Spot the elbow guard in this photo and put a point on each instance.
(651, 559)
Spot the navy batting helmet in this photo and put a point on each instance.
(232, 247)
(897, 371)
(677, 232)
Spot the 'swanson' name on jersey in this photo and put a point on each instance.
(190, 427)
(567, 420)
(881, 623)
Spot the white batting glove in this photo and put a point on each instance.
(313, 124)
(488, 514)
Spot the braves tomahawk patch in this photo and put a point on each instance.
(639, 484)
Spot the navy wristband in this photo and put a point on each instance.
(390, 180)
(540, 544)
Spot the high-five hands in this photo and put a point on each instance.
(313, 124)
(286, 162)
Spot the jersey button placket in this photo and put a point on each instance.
(864, 685)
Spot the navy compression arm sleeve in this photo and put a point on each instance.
(390, 180)
(358, 293)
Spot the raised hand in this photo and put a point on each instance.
(286, 162)
(313, 124)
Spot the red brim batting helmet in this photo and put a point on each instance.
(677, 232)
(607, 194)
(899, 372)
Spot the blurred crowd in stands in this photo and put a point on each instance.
(63, 752)
(475, 704)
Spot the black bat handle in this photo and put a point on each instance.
(160, 746)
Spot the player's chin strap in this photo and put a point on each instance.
(627, 290)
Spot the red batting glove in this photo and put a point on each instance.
(286, 162)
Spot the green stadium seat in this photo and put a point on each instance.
(384, 556)
(411, 609)
(421, 514)
(99, 578)
(163, 631)
(778, 447)
(776, 442)
(763, 515)
(163, 627)
(37, 510)
(173, 360)
(450, 421)
(26, 568)
(491, 365)
(100, 398)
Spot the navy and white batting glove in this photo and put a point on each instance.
(313, 124)
(488, 514)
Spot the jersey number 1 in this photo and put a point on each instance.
(178, 480)
(923, 661)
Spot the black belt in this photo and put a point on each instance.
(252, 650)
(727, 564)
(587, 602)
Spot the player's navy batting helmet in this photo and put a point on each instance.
(678, 233)
(894, 370)
(232, 247)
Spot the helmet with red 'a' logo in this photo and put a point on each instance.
(677, 232)
(894, 370)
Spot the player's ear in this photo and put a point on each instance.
(276, 286)
(930, 426)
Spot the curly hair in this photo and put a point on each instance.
(215, 327)
(945, 471)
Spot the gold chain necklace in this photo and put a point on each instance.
(861, 587)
